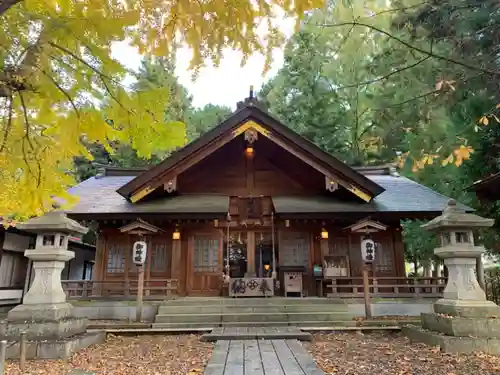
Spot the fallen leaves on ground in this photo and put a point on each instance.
(127, 355)
(392, 354)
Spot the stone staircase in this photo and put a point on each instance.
(194, 312)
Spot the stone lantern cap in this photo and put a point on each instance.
(454, 217)
(54, 221)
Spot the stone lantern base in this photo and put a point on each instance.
(459, 326)
(52, 332)
(480, 308)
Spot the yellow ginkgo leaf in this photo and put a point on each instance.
(448, 160)
(483, 120)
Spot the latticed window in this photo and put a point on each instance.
(161, 253)
(116, 257)
(206, 255)
(294, 249)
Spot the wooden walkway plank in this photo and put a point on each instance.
(217, 363)
(253, 361)
(261, 357)
(288, 361)
(304, 359)
(235, 361)
(270, 361)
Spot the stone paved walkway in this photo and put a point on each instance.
(261, 357)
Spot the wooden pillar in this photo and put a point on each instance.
(251, 252)
(100, 261)
(128, 252)
(176, 262)
(399, 253)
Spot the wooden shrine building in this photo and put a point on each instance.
(254, 199)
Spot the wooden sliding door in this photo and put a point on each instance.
(205, 264)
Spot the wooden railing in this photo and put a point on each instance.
(389, 287)
(118, 289)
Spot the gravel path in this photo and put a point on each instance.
(392, 354)
(130, 355)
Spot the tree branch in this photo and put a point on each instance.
(369, 82)
(415, 48)
(66, 94)
(401, 9)
(408, 101)
(8, 126)
(15, 77)
(5, 5)
(26, 122)
(78, 58)
(27, 136)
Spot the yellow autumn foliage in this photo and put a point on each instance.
(59, 83)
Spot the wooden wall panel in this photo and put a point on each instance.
(271, 171)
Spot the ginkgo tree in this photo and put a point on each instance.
(57, 79)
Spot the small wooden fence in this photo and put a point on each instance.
(388, 287)
(119, 289)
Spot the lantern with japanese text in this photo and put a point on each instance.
(368, 250)
(139, 252)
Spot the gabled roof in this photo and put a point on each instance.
(366, 225)
(227, 130)
(406, 197)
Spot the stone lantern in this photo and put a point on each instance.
(463, 320)
(44, 315)
(462, 296)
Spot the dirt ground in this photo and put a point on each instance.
(130, 355)
(392, 354)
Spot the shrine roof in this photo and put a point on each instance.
(98, 196)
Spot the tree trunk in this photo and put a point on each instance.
(5, 5)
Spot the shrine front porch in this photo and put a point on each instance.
(287, 258)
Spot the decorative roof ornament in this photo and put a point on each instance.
(251, 101)
(454, 216)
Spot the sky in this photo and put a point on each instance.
(225, 85)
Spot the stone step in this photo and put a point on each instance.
(185, 326)
(166, 310)
(189, 318)
(252, 317)
(283, 323)
(271, 301)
